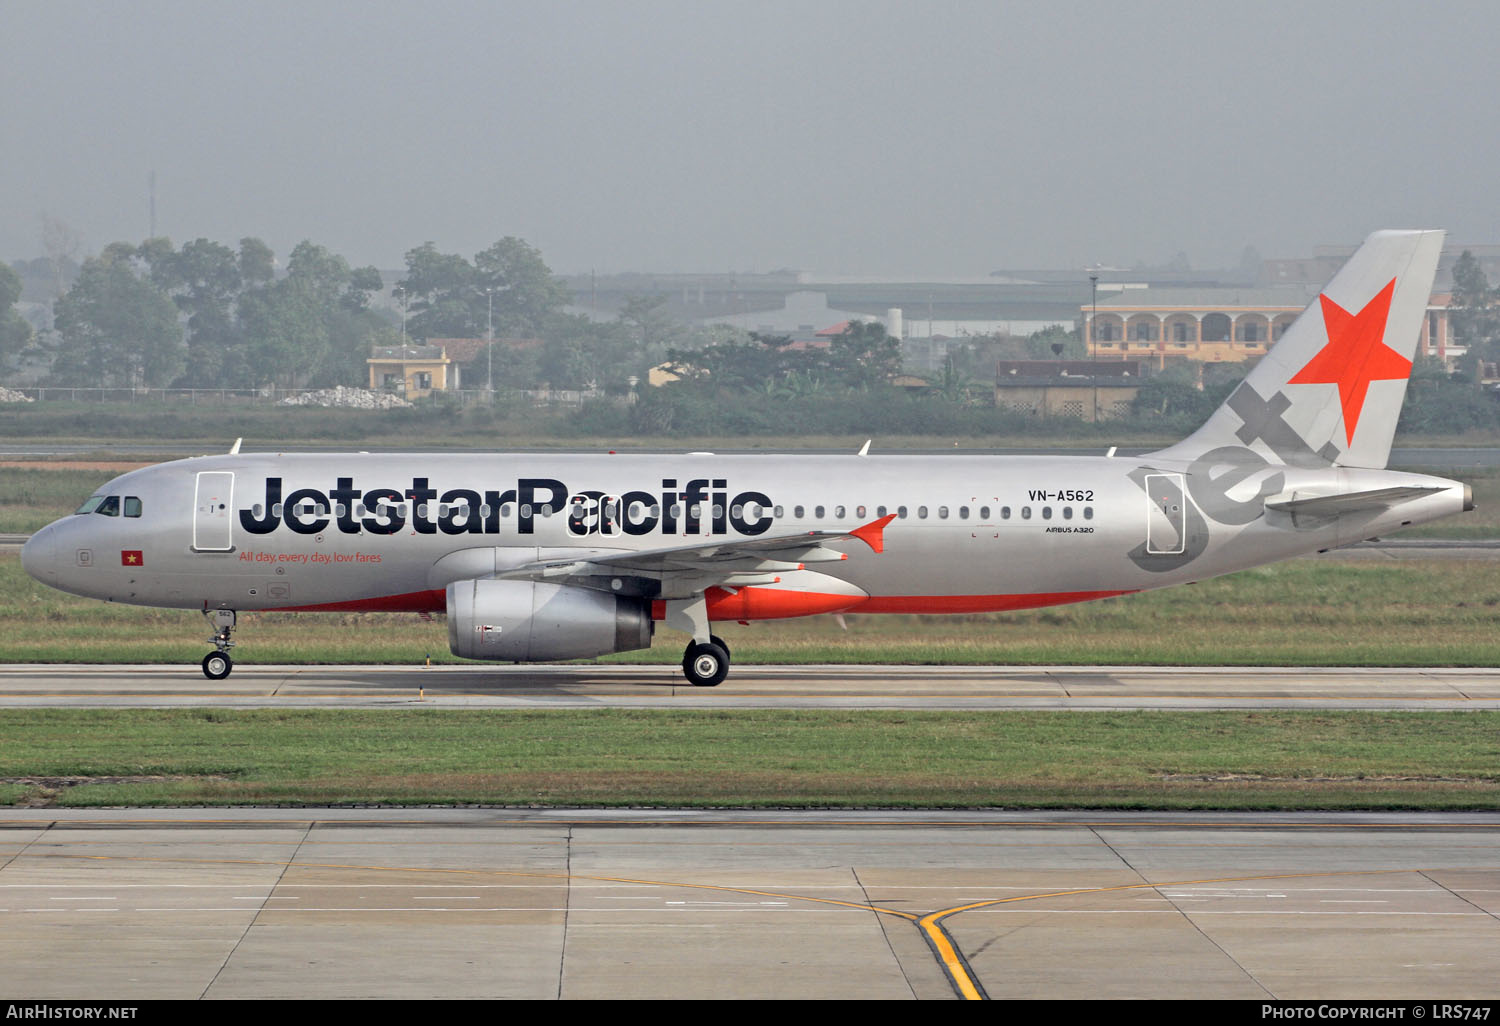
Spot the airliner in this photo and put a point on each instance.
(541, 557)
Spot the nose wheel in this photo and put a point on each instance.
(217, 664)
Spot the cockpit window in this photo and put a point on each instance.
(109, 505)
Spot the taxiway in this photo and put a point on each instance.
(506, 903)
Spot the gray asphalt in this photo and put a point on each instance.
(753, 687)
(334, 904)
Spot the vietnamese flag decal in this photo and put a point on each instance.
(132, 557)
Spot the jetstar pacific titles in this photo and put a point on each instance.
(701, 507)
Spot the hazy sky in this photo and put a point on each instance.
(857, 136)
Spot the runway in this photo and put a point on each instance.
(651, 904)
(754, 687)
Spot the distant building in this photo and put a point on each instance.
(438, 365)
(1091, 390)
(1320, 268)
(800, 304)
(1217, 325)
(412, 371)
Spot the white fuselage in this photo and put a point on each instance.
(971, 533)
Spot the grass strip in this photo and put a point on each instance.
(754, 758)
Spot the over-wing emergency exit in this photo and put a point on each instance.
(545, 557)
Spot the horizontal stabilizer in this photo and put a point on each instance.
(1350, 502)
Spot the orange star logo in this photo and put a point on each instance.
(1355, 354)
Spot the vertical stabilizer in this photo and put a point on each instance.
(1330, 391)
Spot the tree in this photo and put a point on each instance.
(1471, 310)
(646, 321)
(522, 286)
(1039, 344)
(508, 284)
(954, 384)
(581, 353)
(257, 262)
(440, 287)
(204, 280)
(313, 326)
(15, 333)
(116, 327)
(61, 244)
(863, 356)
(744, 366)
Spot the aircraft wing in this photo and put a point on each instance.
(722, 561)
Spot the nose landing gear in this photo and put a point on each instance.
(217, 664)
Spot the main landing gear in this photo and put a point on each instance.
(217, 664)
(706, 663)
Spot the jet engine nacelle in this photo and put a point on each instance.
(526, 621)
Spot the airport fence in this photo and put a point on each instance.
(570, 398)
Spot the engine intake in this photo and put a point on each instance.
(526, 621)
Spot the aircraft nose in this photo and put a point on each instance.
(39, 555)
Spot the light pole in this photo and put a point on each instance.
(489, 335)
(1093, 350)
(400, 295)
(1094, 315)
